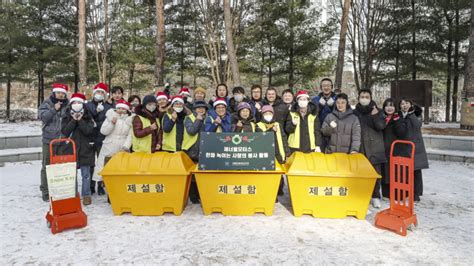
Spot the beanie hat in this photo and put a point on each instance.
(78, 97)
(122, 104)
(219, 101)
(267, 108)
(199, 104)
(149, 99)
(58, 87)
(101, 87)
(243, 105)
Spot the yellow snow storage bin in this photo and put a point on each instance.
(148, 184)
(330, 185)
(239, 193)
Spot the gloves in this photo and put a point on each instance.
(322, 101)
(330, 101)
(333, 124)
(100, 108)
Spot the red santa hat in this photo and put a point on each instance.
(219, 101)
(161, 95)
(78, 97)
(184, 91)
(302, 93)
(101, 87)
(177, 99)
(122, 104)
(58, 87)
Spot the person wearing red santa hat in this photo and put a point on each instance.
(97, 108)
(50, 113)
(219, 119)
(79, 126)
(117, 131)
(302, 125)
(187, 97)
(173, 125)
(163, 104)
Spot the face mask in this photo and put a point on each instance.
(98, 97)
(134, 104)
(189, 100)
(268, 118)
(364, 101)
(151, 108)
(76, 107)
(178, 109)
(238, 97)
(302, 103)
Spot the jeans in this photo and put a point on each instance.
(86, 180)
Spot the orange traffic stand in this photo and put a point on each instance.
(401, 215)
(64, 213)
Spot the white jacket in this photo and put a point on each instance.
(118, 137)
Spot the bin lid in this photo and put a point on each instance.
(330, 165)
(279, 168)
(139, 163)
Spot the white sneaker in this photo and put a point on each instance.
(376, 203)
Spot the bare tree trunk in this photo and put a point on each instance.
(231, 53)
(9, 84)
(270, 57)
(82, 42)
(291, 69)
(454, 111)
(106, 41)
(160, 42)
(131, 72)
(449, 65)
(342, 43)
(467, 119)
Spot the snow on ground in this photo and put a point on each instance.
(444, 235)
(442, 125)
(27, 128)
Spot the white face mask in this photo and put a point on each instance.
(151, 107)
(364, 101)
(189, 99)
(303, 103)
(98, 97)
(238, 97)
(268, 118)
(178, 109)
(76, 107)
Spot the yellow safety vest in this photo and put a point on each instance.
(264, 128)
(188, 140)
(294, 138)
(169, 139)
(143, 144)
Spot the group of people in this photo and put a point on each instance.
(107, 124)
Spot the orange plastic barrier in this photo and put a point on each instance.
(401, 214)
(66, 213)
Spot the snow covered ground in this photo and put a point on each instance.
(444, 235)
(27, 128)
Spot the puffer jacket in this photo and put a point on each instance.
(346, 136)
